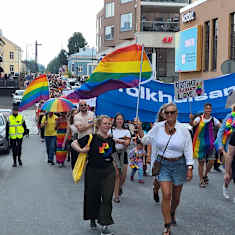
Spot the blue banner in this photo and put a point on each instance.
(154, 94)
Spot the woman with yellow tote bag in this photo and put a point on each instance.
(80, 163)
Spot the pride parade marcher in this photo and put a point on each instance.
(136, 156)
(61, 127)
(173, 145)
(49, 122)
(99, 175)
(222, 141)
(230, 161)
(15, 129)
(203, 143)
(71, 135)
(122, 138)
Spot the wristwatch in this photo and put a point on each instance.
(190, 167)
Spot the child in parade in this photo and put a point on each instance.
(136, 156)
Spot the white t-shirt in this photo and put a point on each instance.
(120, 133)
(197, 120)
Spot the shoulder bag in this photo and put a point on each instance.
(157, 164)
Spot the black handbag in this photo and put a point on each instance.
(157, 164)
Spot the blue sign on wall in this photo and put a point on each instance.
(187, 50)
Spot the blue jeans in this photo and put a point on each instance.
(140, 172)
(50, 146)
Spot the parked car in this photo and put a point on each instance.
(17, 96)
(4, 144)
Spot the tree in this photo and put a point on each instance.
(54, 65)
(76, 42)
(63, 57)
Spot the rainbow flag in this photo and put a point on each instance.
(37, 90)
(203, 140)
(119, 69)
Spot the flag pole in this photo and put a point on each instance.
(140, 77)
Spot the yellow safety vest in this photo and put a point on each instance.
(16, 129)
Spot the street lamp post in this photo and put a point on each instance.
(36, 55)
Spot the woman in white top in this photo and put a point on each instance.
(176, 163)
(121, 137)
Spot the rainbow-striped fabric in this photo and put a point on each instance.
(203, 140)
(119, 69)
(37, 90)
(229, 127)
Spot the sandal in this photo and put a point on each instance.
(167, 230)
(117, 200)
(206, 179)
(202, 184)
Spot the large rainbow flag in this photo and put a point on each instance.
(203, 140)
(37, 90)
(119, 69)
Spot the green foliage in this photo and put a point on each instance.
(63, 57)
(76, 42)
(54, 65)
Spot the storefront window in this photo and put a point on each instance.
(232, 36)
(207, 46)
(215, 44)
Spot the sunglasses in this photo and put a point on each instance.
(170, 112)
(82, 105)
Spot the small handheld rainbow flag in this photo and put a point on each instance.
(37, 90)
(119, 69)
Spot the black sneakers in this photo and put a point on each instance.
(93, 225)
(105, 231)
(14, 165)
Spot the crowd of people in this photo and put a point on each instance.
(118, 144)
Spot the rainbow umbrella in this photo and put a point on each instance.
(57, 105)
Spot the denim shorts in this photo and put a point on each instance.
(173, 171)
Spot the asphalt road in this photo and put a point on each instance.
(41, 199)
(5, 102)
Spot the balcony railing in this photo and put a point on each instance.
(160, 26)
(167, 1)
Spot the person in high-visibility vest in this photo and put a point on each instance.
(15, 130)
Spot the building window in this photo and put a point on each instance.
(126, 22)
(124, 1)
(80, 69)
(109, 32)
(11, 68)
(215, 44)
(72, 68)
(11, 55)
(109, 9)
(207, 46)
(161, 62)
(232, 56)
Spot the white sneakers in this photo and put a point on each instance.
(225, 192)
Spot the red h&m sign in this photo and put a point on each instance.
(167, 39)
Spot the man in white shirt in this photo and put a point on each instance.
(84, 120)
